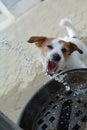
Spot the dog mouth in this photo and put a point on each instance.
(51, 67)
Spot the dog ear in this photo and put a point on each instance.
(73, 47)
(38, 40)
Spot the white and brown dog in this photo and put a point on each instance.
(61, 53)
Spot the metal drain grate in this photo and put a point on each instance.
(53, 108)
(67, 113)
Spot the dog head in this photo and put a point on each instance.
(55, 51)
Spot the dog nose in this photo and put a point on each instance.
(56, 57)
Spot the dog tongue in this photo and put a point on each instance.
(51, 67)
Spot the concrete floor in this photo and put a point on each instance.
(18, 82)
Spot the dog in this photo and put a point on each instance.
(60, 54)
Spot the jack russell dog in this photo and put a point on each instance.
(60, 54)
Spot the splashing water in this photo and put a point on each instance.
(26, 69)
(60, 78)
(17, 65)
(5, 45)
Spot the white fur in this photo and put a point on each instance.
(75, 60)
(69, 26)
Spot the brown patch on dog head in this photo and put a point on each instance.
(38, 40)
(41, 42)
(45, 48)
(71, 47)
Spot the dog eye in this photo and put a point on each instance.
(64, 50)
(50, 47)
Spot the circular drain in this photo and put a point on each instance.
(54, 108)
